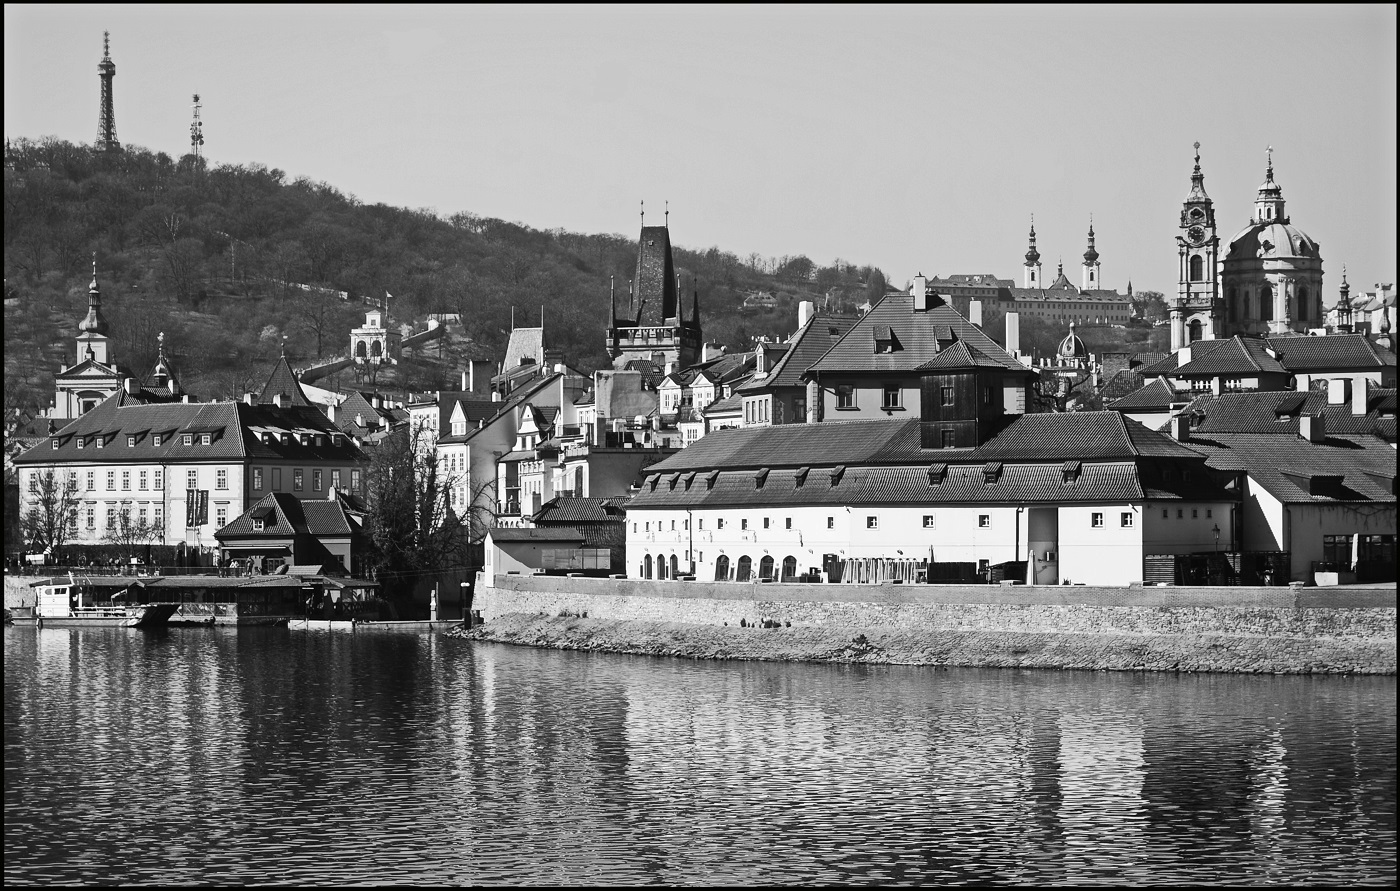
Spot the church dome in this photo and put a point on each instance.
(1261, 240)
(1072, 347)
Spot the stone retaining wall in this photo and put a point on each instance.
(1206, 629)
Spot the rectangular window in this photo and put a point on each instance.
(221, 515)
(702, 522)
(765, 522)
(1195, 513)
(1165, 514)
(315, 480)
(986, 395)
(159, 480)
(187, 439)
(744, 524)
(831, 522)
(297, 477)
(91, 481)
(355, 479)
(634, 527)
(845, 396)
(787, 523)
(928, 521)
(257, 478)
(143, 480)
(1180, 513)
(156, 439)
(259, 525)
(947, 395)
(1097, 522)
(673, 525)
(221, 478)
(719, 524)
(126, 481)
(890, 397)
(111, 515)
(82, 441)
(984, 521)
(141, 515)
(33, 483)
(206, 438)
(276, 479)
(100, 442)
(335, 479)
(158, 519)
(872, 522)
(191, 479)
(1125, 519)
(131, 442)
(111, 481)
(91, 517)
(947, 439)
(1208, 513)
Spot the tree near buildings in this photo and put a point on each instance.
(131, 532)
(51, 514)
(1150, 305)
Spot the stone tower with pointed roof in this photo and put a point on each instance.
(652, 325)
(1091, 275)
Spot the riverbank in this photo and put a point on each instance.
(1287, 630)
(1196, 652)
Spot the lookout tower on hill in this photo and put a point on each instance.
(106, 117)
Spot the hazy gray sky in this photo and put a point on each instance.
(915, 139)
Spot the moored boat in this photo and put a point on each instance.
(67, 604)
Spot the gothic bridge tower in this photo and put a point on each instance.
(106, 117)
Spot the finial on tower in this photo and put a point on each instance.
(93, 286)
(284, 346)
(106, 52)
(1198, 155)
(668, 214)
(644, 213)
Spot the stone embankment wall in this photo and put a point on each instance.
(1174, 628)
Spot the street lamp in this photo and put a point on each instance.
(1216, 530)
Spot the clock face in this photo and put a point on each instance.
(1196, 234)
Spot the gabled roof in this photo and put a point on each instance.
(1155, 395)
(1277, 412)
(284, 514)
(504, 409)
(581, 510)
(958, 357)
(536, 533)
(809, 344)
(283, 382)
(918, 334)
(524, 343)
(1294, 470)
(1233, 356)
(1302, 353)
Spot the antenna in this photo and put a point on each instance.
(196, 131)
(644, 214)
(668, 214)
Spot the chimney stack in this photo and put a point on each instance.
(805, 310)
(465, 385)
(1013, 333)
(129, 385)
(1313, 428)
(974, 313)
(249, 399)
(277, 400)
(1360, 396)
(1337, 391)
(1181, 428)
(920, 291)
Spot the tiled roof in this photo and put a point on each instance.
(581, 510)
(729, 405)
(808, 345)
(917, 333)
(655, 299)
(1362, 468)
(1157, 394)
(1278, 411)
(504, 409)
(1302, 353)
(1235, 356)
(960, 356)
(1084, 435)
(238, 432)
(283, 382)
(958, 484)
(524, 343)
(789, 445)
(284, 514)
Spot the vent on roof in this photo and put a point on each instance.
(800, 479)
(653, 480)
(710, 479)
(1315, 483)
(671, 482)
(760, 478)
(689, 481)
(885, 340)
(991, 472)
(836, 473)
(937, 473)
(1070, 470)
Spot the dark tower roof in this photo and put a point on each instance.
(93, 323)
(654, 297)
(1032, 255)
(283, 382)
(1198, 180)
(1091, 255)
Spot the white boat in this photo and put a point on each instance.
(321, 624)
(66, 604)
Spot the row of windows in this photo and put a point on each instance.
(299, 479)
(157, 439)
(984, 521)
(1181, 513)
(154, 512)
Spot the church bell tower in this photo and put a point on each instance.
(1195, 315)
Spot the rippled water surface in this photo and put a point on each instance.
(267, 756)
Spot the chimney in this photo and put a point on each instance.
(805, 311)
(670, 368)
(599, 427)
(129, 385)
(277, 400)
(1183, 355)
(1360, 396)
(1181, 428)
(1313, 428)
(377, 401)
(249, 399)
(1013, 333)
(974, 313)
(465, 383)
(330, 412)
(1337, 391)
(495, 395)
(187, 399)
(814, 402)
(920, 291)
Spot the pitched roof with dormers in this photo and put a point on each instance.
(1294, 470)
(283, 382)
(1301, 353)
(1278, 412)
(503, 409)
(808, 345)
(238, 431)
(581, 510)
(284, 514)
(1237, 355)
(917, 334)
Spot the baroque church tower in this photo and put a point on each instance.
(1033, 279)
(1195, 314)
(1092, 278)
(93, 376)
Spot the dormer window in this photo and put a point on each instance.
(157, 439)
(206, 438)
(991, 472)
(1070, 471)
(54, 441)
(937, 473)
(886, 341)
(82, 441)
(187, 439)
(836, 473)
(259, 525)
(131, 441)
(99, 441)
(760, 478)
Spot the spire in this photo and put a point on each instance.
(1032, 255)
(106, 117)
(1091, 256)
(695, 306)
(1268, 204)
(668, 214)
(163, 375)
(1344, 312)
(94, 323)
(1198, 187)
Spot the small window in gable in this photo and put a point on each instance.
(259, 525)
(131, 441)
(157, 439)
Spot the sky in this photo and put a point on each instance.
(915, 139)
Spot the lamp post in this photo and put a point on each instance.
(466, 604)
(1216, 530)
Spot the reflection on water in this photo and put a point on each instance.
(223, 756)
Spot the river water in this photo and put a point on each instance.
(219, 756)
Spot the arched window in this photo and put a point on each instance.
(661, 567)
(1231, 296)
(1245, 314)
(675, 567)
(1195, 330)
(359, 349)
(375, 349)
(1304, 308)
(745, 569)
(1196, 267)
(722, 569)
(1266, 303)
(789, 567)
(646, 567)
(765, 567)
